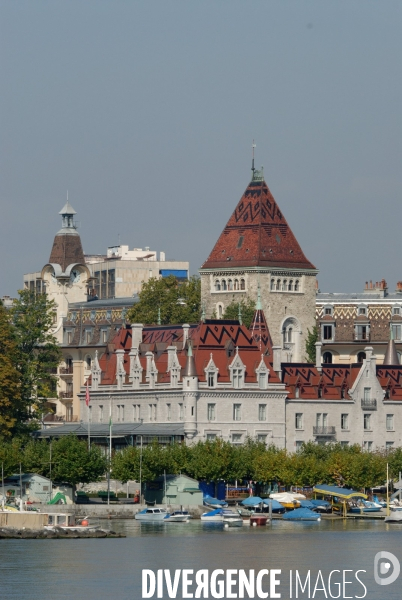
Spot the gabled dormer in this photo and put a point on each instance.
(152, 371)
(136, 369)
(174, 367)
(262, 373)
(211, 373)
(366, 389)
(237, 371)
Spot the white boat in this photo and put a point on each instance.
(395, 516)
(221, 515)
(231, 519)
(151, 515)
(178, 516)
(68, 522)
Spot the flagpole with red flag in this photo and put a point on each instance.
(87, 401)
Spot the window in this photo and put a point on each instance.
(136, 412)
(262, 380)
(290, 335)
(220, 311)
(297, 392)
(366, 393)
(262, 412)
(236, 412)
(367, 422)
(88, 362)
(388, 445)
(321, 419)
(284, 285)
(397, 332)
(211, 437)
(396, 310)
(236, 438)
(262, 438)
(88, 336)
(152, 412)
(211, 379)
(297, 286)
(362, 311)
(192, 411)
(217, 286)
(230, 284)
(291, 285)
(362, 332)
(211, 412)
(100, 413)
(361, 357)
(168, 411)
(120, 413)
(272, 285)
(328, 311)
(242, 284)
(69, 337)
(240, 241)
(298, 444)
(344, 443)
(368, 446)
(327, 358)
(237, 378)
(223, 285)
(104, 336)
(278, 285)
(236, 284)
(299, 421)
(181, 415)
(390, 422)
(345, 421)
(327, 332)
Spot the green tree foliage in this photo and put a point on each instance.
(179, 302)
(247, 309)
(37, 352)
(10, 455)
(312, 338)
(212, 460)
(126, 464)
(11, 406)
(73, 463)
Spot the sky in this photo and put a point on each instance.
(145, 111)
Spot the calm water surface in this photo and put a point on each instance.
(111, 569)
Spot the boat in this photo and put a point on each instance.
(380, 502)
(258, 519)
(178, 516)
(307, 504)
(302, 514)
(68, 522)
(214, 502)
(321, 505)
(220, 515)
(289, 501)
(260, 504)
(364, 506)
(395, 516)
(151, 515)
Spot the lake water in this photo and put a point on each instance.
(111, 568)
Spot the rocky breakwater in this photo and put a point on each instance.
(58, 533)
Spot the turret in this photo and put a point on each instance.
(190, 395)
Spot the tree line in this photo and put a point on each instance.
(68, 460)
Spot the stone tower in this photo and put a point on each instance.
(258, 250)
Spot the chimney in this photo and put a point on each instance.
(277, 354)
(186, 328)
(136, 334)
(318, 349)
(162, 257)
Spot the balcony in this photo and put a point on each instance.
(66, 395)
(369, 403)
(66, 371)
(326, 430)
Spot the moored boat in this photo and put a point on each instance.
(151, 515)
(395, 516)
(214, 502)
(219, 515)
(302, 514)
(178, 516)
(69, 523)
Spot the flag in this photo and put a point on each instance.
(87, 397)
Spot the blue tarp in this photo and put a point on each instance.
(320, 502)
(214, 501)
(307, 504)
(301, 514)
(252, 501)
(256, 501)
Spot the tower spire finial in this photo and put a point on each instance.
(252, 162)
(259, 303)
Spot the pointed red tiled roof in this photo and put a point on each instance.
(257, 234)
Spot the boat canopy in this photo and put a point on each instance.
(320, 502)
(307, 504)
(217, 511)
(252, 501)
(214, 501)
(300, 513)
(287, 497)
(332, 490)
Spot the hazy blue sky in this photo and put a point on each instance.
(146, 111)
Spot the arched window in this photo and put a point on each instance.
(290, 335)
(272, 284)
(236, 284)
(220, 311)
(327, 358)
(217, 286)
(278, 285)
(224, 285)
(361, 356)
(242, 284)
(296, 285)
(230, 284)
(285, 286)
(291, 285)
(88, 361)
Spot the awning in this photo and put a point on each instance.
(333, 490)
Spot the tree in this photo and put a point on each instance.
(73, 463)
(10, 455)
(247, 310)
(312, 338)
(10, 379)
(126, 463)
(37, 352)
(212, 460)
(176, 302)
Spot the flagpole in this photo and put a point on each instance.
(87, 401)
(110, 450)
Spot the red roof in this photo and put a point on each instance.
(257, 234)
(217, 337)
